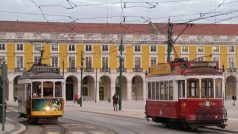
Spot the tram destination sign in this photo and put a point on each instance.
(203, 64)
(45, 70)
(163, 68)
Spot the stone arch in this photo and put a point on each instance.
(88, 92)
(137, 88)
(124, 87)
(71, 87)
(231, 85)
(104, 88)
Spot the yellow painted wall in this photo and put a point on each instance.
(79, 49)
(208, 51)
(28, 57)
(192, 52)
(178, 51)
(10, 49)
(129, 57)
(97, 56)
(145, 57)
(113, 56)
(161, 54)
(223, 56)
(46, 56)
(63, 56)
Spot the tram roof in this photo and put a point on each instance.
(41, 72)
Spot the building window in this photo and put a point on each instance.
(36, 59)
(185, 58)
(89, 62)
(200, 49)
(153, 61)
(137, 62)
(71, 47)
(89, 48)
(105, 62)
(19, 61)
(2, 59)
(215, 49)
(217, 59)
(71, 61)
(2, 47)
(231, 49)
(153, 48)
(37, 47)
(54, 61)
(231, 61)
(137, 48)
(105, 48)
(54, 47)
(19, 47)
(185, 49)
(200, 59)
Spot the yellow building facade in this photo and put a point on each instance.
(99, 53)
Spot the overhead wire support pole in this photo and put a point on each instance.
(170, 41)
(81, 88)
(120, 77)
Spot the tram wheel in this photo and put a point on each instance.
(34, 120)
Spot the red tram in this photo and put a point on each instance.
(187, 94)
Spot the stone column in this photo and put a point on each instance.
(63, 90)
(11, 90)
(97, 90)
(113, 88)
(129, 90)
(144, 90)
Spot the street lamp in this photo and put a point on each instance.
(81, 68)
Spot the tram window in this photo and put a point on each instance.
(149, 90)
(48, 89)
(58, 89)
(218, 88)
(171, 90)
(181, 88)
(36, 89)
(157, 91)
(153, 91)
(207, 87)
(193, 88)
(166, 89)
(28, 90)
(161, 90)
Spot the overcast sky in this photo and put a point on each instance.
(110, 11)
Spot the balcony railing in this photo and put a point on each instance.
(72, 69)
(19, 69)
(231, 69)
(88, 69)
(137, 70)
(105, 70)
(123, 69)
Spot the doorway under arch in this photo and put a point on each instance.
(104, 88)
(124, 87)
(71, 87)
(231, 90)
(137, 88)
(15, 87)
(88, 88)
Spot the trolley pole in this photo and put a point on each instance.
(170, 41)
(81, 68)
(120, 77)
(3, 79)
(95, 94)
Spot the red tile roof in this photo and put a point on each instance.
(58, 27)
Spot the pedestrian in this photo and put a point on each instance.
(234, 100)
(115, 99)
(75, 98)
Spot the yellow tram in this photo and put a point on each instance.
(40, 93)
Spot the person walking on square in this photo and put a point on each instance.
(75, 98)
(115, 99)
(234, 100)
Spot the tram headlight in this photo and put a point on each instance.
(47, 108)
(207, 103)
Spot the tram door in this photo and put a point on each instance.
(101, 93)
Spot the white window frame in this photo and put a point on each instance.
(185, 56)
(216, 56)
(5, 58)
(87, 50)
(34, 45)
(22, 47)
(231, 56)
(52, 47)
(91, 61)
(156, 59)
(74, 48)
(184, 52)
(200, 56)
(51, 63)
(23, 62)
(35, 55)
(228, 49)
(74, 60)
(5, 46)
(107, 63)
(155, 49)
(107, 48)
(215, 49)
(203, 49)
(171, 57)
(140, 47)
(134, 61)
